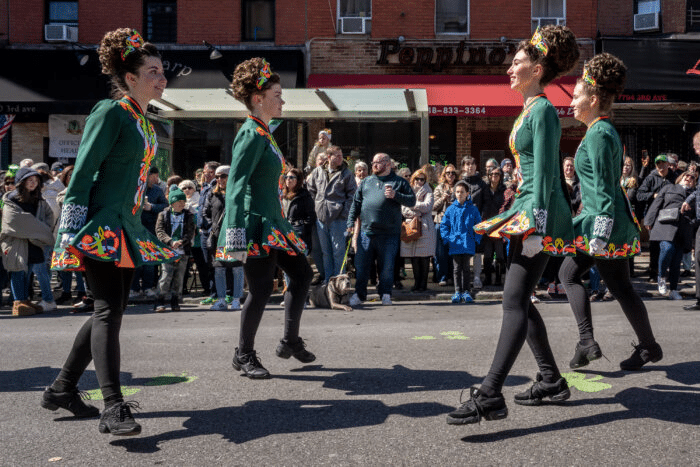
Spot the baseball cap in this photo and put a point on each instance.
(660, 158)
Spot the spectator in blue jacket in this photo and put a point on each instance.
(457, 230)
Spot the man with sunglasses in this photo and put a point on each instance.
(332, 187)
(377, 203)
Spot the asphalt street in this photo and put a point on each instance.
(378, 393)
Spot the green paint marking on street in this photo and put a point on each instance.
(423, 338)
(96, 394)
(579, 381)
(171, 378)
(454, 335)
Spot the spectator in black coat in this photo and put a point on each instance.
(298, 205)
(494, 198)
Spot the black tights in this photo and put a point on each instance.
(616, 275)
(260, 273)
(521, 321)
(421, 268)
(98, 338)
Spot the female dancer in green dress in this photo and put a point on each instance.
(538, 225)
(100, 230)
(254, 228)
(607, 231)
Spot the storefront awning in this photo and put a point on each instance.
(300, 104)
(661, 73)
(461, 96)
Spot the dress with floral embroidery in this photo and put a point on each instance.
(254, 221)
(607, 213)
(540, 206)
(104, 200)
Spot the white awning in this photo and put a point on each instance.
(369, 104)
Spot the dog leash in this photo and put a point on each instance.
(345, 259)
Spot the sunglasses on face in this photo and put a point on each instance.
(450, 172)
(290, 177)
(188, 188)
(222, 176)
(420, 180)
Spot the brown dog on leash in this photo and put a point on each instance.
(332, 294)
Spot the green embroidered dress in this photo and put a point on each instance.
(105, 196)
(540, 206)
(607, 213)
(254, 220)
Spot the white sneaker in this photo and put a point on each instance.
(386, 299)
(534, 299)
(354, 300)
(477, 283)
(219, 305)
(663, 288)
(674, 295)
(151, 293)
(236, 304)
(134, 294)
(48, 306)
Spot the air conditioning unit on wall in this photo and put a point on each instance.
(60, 33)
(354, 25)
(646, 22)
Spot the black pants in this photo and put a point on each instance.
(616, 275)
(654, 249)
(98, 338)
(460, 272)
(521, 320)
(260, 272)
(697, 265)
(421, 269)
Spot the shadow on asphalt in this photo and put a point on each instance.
(398, 379)
(258, 419)
(668, 403)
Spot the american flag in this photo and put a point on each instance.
(5, 124)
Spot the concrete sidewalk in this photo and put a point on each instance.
(645, 289)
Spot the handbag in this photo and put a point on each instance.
(669, 216)
(411, 230)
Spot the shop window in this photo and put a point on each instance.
(442, 140)
(160, 21)
(647, 15)
(546, 12)
(693, 16)
(62, 12)
(452, 17)
(354, 16)
(258, 20)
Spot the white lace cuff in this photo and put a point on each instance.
(602, 227)
(235, 239)
(73, 217)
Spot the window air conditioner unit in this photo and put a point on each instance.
(646, 21)
(353, 25)
(60, 33)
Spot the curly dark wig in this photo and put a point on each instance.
(562, 55)
(609, 74)
(110, 54)
(245, 80)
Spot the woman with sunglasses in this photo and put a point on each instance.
(254, 229)
(534, 224)
(443, 195)
(420, 251)
(607, 231)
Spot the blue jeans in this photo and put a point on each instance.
(220, 279)
(316, 253)
(67, 278)
(41, 271)
(594, 281)
(443, 263)
(147, 274)
(385, 247)
(332, 238)
(670, 256)
(19, 284)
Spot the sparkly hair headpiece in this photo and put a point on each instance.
(587, 78)
(539, 43)
(265, 74)
(133, 42)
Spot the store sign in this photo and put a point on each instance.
(464, 54)
(65, 132)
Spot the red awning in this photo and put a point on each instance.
(473, 96)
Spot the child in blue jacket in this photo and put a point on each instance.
(457, 228)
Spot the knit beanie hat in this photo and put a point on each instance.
(505, 161)
(176, 194)
(222, 170)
